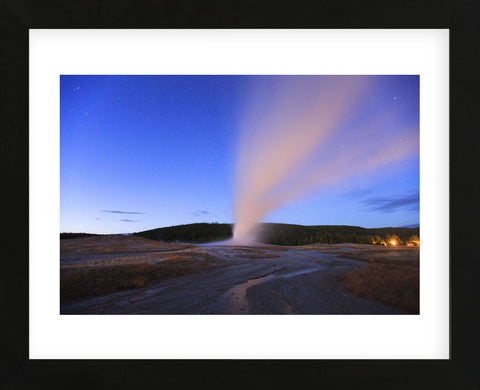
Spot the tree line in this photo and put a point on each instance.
(286, 234)
(191, 233)
(65, 236)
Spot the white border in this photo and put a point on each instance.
(56, 52)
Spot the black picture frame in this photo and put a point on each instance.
(461, 17)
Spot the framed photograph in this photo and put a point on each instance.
(228, 195)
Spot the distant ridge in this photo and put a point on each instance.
(413, 225)
(64, 236)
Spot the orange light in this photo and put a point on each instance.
(393, 242)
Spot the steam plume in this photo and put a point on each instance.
(297, 136)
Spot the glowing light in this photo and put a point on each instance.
(393, 242)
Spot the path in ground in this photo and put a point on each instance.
(263, 279)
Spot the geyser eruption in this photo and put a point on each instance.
(300, 133)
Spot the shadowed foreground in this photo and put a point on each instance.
(132, 275)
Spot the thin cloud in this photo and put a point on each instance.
(129, 220)
(357, 194)
(120, 212)
(197, 213)
(390, 205)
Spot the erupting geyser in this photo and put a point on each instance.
(304, 132)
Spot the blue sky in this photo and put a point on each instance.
(141, 152)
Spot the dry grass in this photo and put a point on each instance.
(392, 284)
(115, 243)
(83, 282)
(384, 255)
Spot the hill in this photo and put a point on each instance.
(285, 234)
(68, 236)
(191, 233)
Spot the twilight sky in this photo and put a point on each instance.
(141, 152)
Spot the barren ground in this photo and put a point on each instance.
(131, 275)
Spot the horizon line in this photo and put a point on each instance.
(408, 226)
